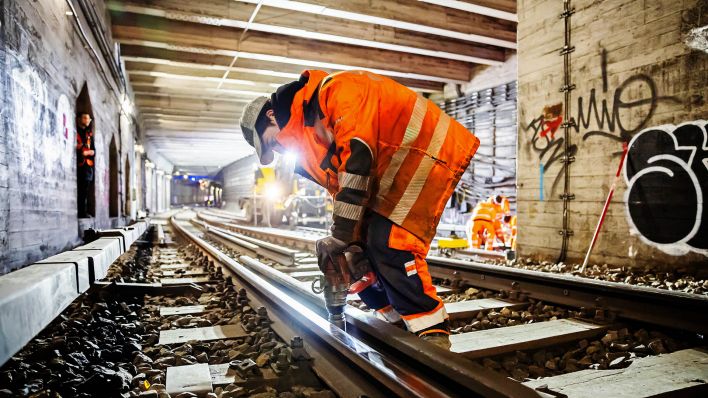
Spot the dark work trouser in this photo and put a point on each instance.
(404, 283)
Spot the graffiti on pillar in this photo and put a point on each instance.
(618, 119)
(667, 177)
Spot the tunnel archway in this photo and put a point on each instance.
(113, 181)
(85, 189)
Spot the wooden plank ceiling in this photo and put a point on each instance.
(192, 68)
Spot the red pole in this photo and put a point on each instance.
(604, 209)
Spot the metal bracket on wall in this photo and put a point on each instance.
(567, 13)
(569, 159)
(567, 50)
(567, 88)
(567, 196)
(565, 232)
(569, 123)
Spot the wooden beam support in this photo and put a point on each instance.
(317, 27)
(185, 102)
(481, 7)
(257, 45)
(410, 15)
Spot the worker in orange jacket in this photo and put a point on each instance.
(391, 159)
(486, 223)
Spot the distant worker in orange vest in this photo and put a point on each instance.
(391, 159)
(486, 223)
(501, 203)
(85, 155)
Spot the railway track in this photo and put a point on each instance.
(503, 316)
(226, 310)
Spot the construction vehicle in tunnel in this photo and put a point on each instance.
(281, 197)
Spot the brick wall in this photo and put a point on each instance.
(43, 66)
(636, 80)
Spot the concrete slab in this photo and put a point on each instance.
(101, 253)
(180, 281)
(80, 262)
(485, 343)
(222, 374)
(469, 308)
(176, 336)
(183, 310)
(126, 236)
(654, 376)
(189, 378)
(175, 266)
(189, 272)
(30, 298)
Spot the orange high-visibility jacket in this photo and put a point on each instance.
(486, 211)
(393, 151)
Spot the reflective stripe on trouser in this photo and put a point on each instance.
(478, 229)
(411, 294)
(388, 314)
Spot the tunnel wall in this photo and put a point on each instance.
(44, 65)
(637, 79)
(238, 180)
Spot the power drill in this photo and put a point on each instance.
(336, 281)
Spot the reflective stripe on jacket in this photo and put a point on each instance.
(393, 151)
(485, 211)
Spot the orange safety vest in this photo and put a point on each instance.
(393, 151)
(485, 211)
(80, 147)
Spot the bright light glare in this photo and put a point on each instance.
(290, 157)
(272, 192)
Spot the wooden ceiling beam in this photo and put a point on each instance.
(502, 9)
(197, 72)
(316, 27)
(185, 102)
(230, 86)
(409, 15)
(243, 69)
(162, 32)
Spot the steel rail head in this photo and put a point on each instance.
(678, 310)
(456, 369)
(388, 372)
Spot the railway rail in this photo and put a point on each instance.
(238, 304)
(609, 304)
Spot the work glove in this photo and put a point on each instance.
(327, 250)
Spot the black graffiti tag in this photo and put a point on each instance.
(667, 177)
(550, 149)
(598, 118)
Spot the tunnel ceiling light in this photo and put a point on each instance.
(352, 16)
(69, 14)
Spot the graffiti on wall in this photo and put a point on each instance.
(667, 177)
(29, 98)
(40, 140)
(618, 120)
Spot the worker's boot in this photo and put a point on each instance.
(440, 339)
